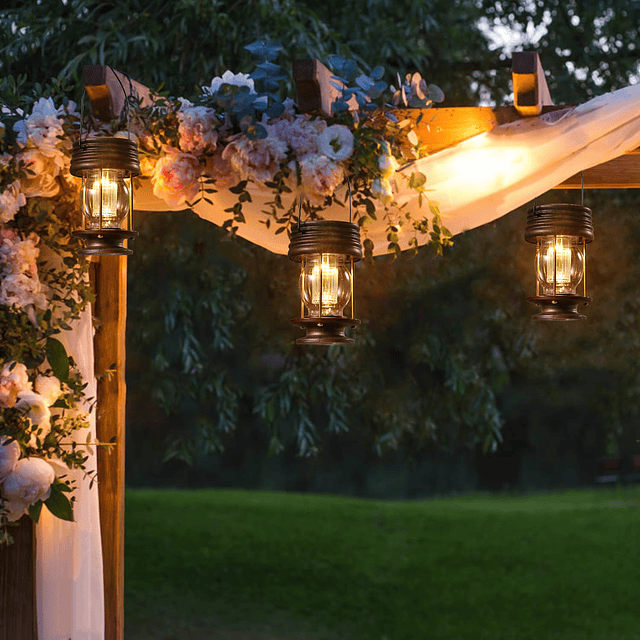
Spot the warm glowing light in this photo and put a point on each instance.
(105, 198)
(560, 264)
(325, 284)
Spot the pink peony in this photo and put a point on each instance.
(257, 160)
(176, 178)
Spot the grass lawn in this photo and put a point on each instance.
(242, 565)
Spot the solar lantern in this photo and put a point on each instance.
(561, 233)
(327, 251)
(106, 166)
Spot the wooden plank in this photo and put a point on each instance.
(108, 89)
(530, 90)
(18, 584)
(622, 172)
(109, 343)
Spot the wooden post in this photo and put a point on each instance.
(110, 277)
(18, 585)
(107, 90)
(530, 90)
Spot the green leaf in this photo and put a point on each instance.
(58, 359)
(35, 510)
(59, 504)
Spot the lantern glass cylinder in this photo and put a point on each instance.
(325, 284)
(559, 264)
(106, 198)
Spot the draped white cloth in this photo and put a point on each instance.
(69, 584)
(476, 181)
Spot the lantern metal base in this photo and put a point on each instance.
(325, 330)
(105, 242)
(560, 307)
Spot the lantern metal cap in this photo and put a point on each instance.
(325, 330)
(325, 236)
(559, 220)
(120, 154)
(562, 307)
(105, 242)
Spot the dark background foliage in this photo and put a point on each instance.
(450, 386)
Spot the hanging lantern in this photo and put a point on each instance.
(106, 166)
(561, 233)
(327, 250)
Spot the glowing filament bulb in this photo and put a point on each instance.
(105, 198)
(560, 264)
(327, 274)
(325, 284)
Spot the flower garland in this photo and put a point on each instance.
(43, 288)
(235, 138)
(242, 139)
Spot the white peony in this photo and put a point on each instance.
(176, 178)
(9, 456)
(235, 79)
(258, 160)
(35, 407)
(49, 388)
(16, 373)
(30, 481)
(381, 189)
(388, 165)
(42, 129)
(336, 142)
(320, 177)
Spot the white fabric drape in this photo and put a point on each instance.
(476, 181)
(69, 583)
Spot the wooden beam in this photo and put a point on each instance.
(18, 584)
(622, 172)
(110, 277)
(108, 89)
(530, 90)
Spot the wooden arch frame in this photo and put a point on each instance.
(446, 127)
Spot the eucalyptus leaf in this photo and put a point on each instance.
(58, 359)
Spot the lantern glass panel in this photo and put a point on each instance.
(559, 262)
(106, 197)
(325, 284)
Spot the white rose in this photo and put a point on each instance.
(30, 481)
(381, 189)
(336, 142)
(9, 456)
(388, 165)
(42, 181)
(49, 388)
(10, 202)
(235, 79)
(36, 409)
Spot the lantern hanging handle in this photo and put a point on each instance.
(349, 187)
(582, 188)
(82, 115)
(127, 96)
(299, 211)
